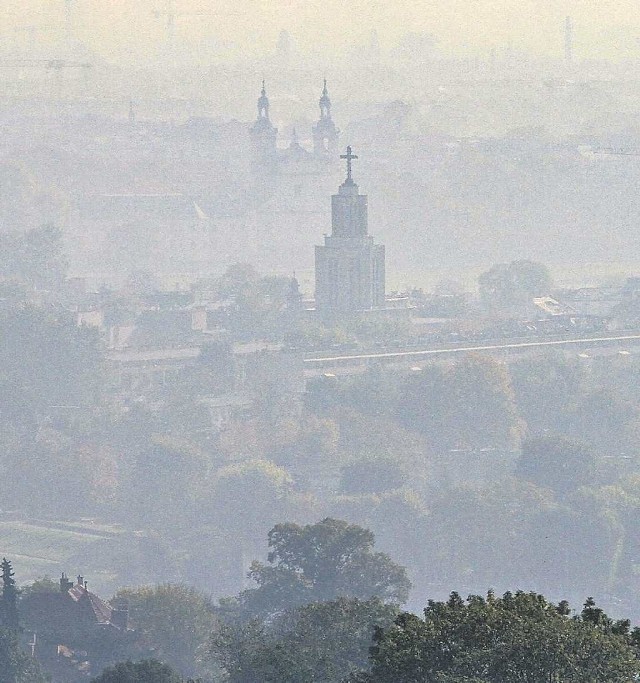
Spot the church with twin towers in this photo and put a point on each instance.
(349, 266)
(264, 136)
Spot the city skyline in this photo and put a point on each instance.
(128, 32)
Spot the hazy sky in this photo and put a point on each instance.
(123, 28)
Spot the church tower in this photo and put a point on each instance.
(350, 275)
(264, 134)
(325, 133)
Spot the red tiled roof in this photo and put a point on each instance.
(100, 609)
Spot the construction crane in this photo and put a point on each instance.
(53, 64)
(171, 14)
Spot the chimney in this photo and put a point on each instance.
(80, 580)
(65, 584)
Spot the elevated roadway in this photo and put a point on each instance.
(356, 363)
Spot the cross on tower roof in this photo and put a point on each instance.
(349, 156)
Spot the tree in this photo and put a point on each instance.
(174, 622)
(370, 475)
(514, 284)
(16, 666)
(238, 280)
(45, 584)
(167, 483)
(546, 388)
(518, 637)
(323, 641)
(146, 671)
(46, 363)
(258, 301)
(248, 496)
(319, 562)
(469, 405)
(9, 605)
(33, 258)
(558, 463)
(606, 419)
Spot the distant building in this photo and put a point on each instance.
(350, 274)
(74, 631)
(267, 158)
(264, 134)
(325, 133)
(289, 180)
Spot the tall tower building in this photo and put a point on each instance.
(264, 134)
(325, 133)
(350, 275)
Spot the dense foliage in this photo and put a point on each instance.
(146, 671)
(172, 621)
(317, 563)
(508, 639)
(16, 666)
(322, 641)
(513, 284)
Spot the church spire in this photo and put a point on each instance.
(325, 133)
(349, 157)
(263, 103)
(263, 134)
(325, 103)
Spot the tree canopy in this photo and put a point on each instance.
(174, 622)
(468, 405)
(319, 562)
(33, 258)
(146, 671)
(9, 601)
(513, 638)
(509, 284)
(323, 641)
(16, 666)
(558, 463)
(46, 363)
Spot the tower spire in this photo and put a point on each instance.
(349, 156)
(349, 265)
(325, 133)
(263, 103)
(263, 133)
(325, 103)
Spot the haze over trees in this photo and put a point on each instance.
(513, 284)
(317, 563)
(259, 488)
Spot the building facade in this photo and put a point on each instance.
(349, 267)
(295, 159)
